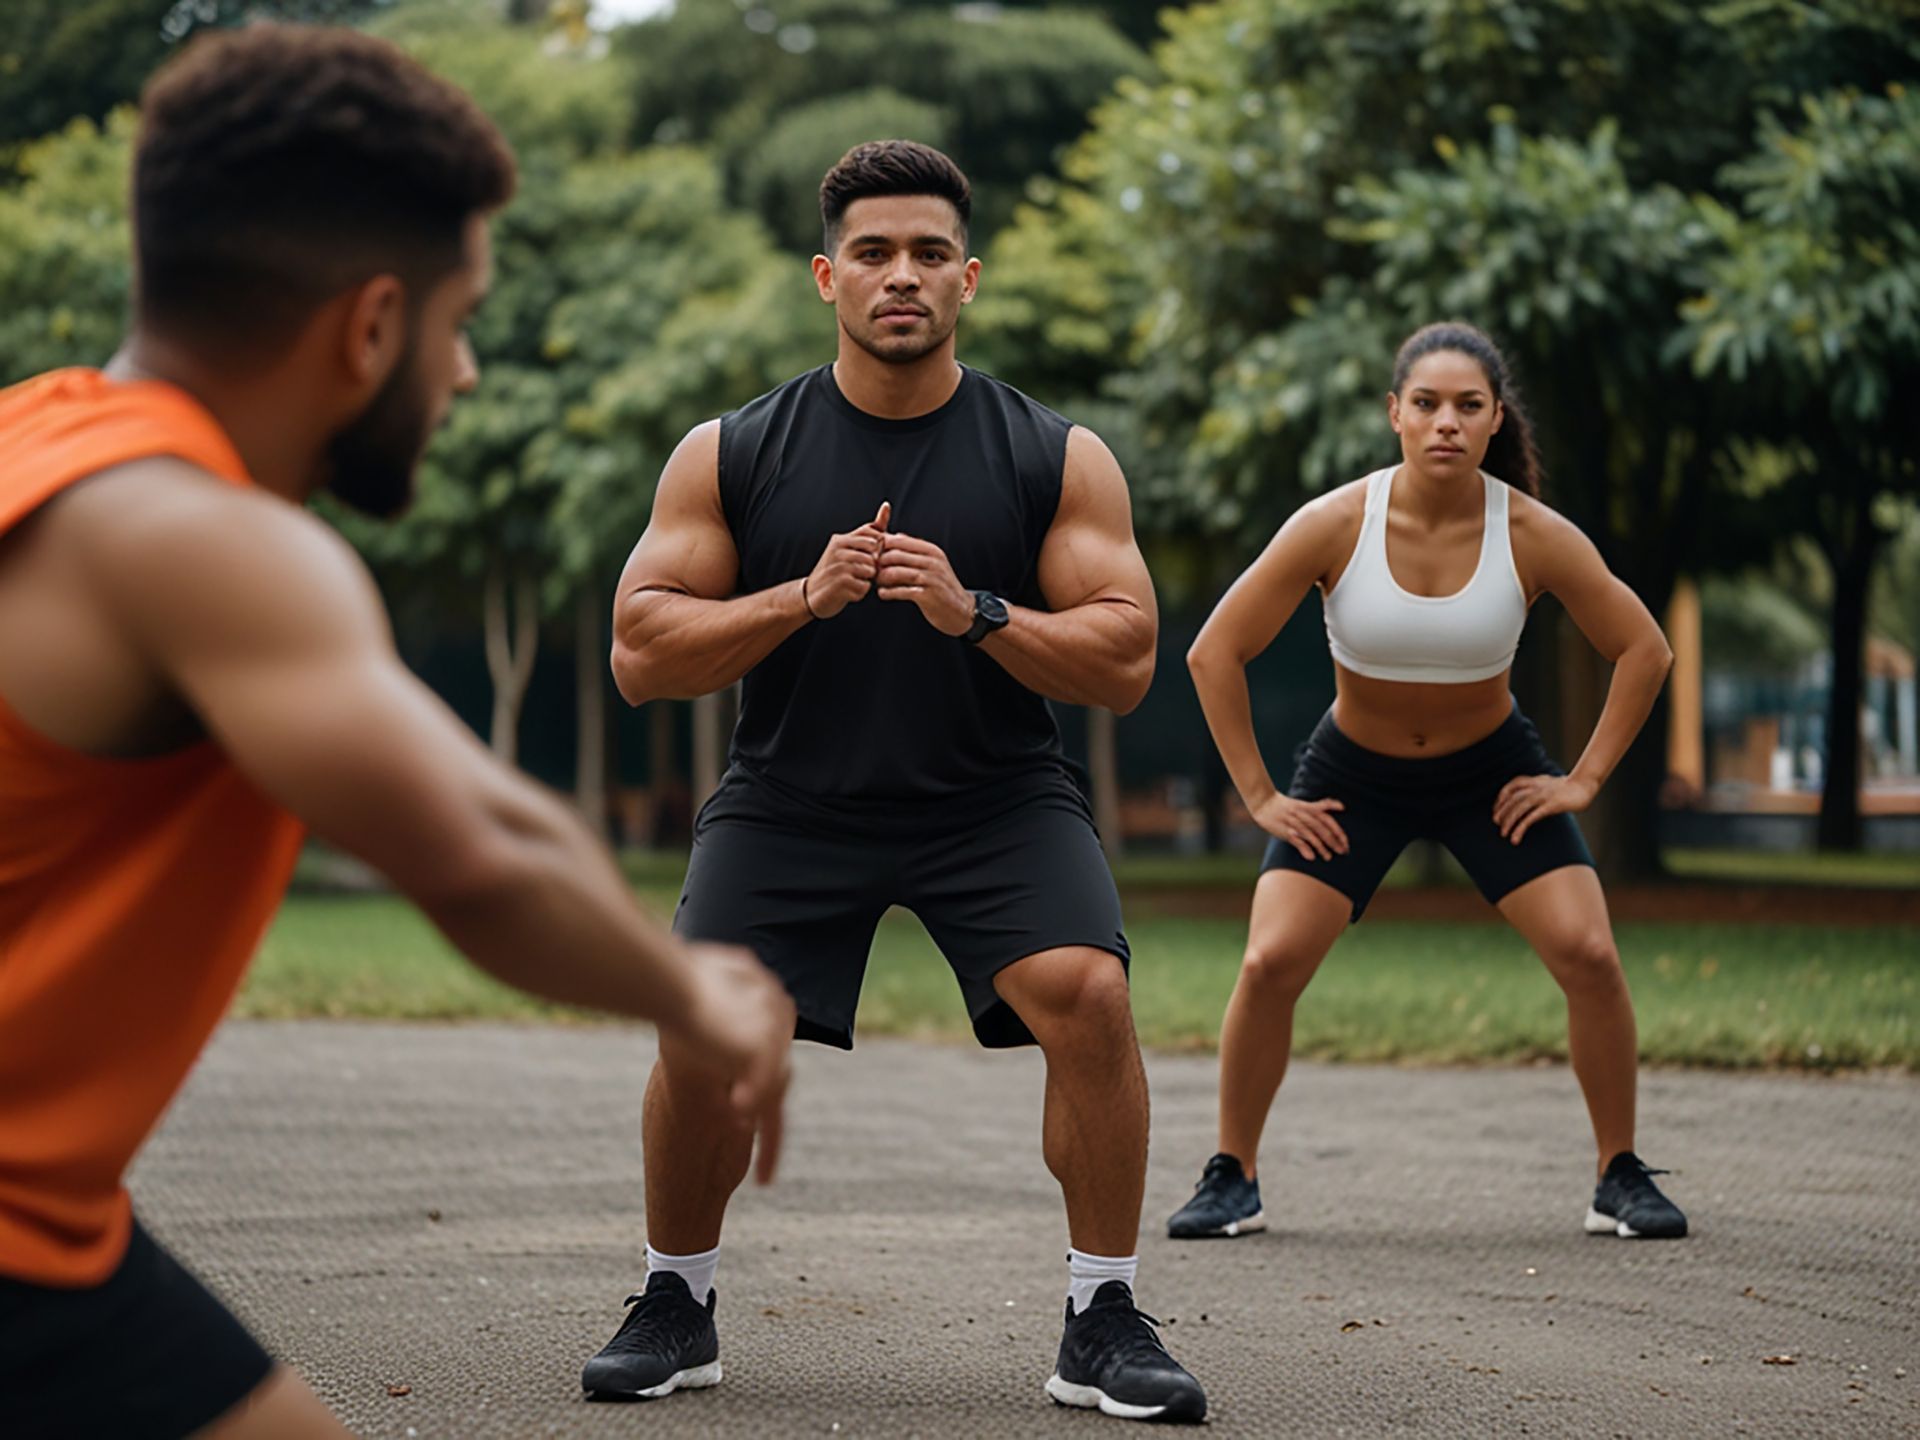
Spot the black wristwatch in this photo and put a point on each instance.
(989, 615)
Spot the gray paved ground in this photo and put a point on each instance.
(456, 1210)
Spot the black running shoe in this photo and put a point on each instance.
(1630, 1205)
(1111, 1359)
(1225, 1203)
(666, 1343)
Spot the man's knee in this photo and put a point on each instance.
(688, 1084)
(1066, 995)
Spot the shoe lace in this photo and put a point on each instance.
(1127, 1330)
(656, 1322)
(1218, 1172)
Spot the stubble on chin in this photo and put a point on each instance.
(902, 351)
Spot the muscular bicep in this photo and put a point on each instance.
(686, 548)
(271, 629)
(1556, 558)
(1090, 554)
(1259, 603)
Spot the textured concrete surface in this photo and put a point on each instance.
(456, 1211)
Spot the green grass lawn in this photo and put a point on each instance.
(1879, 870)
(1735, 995)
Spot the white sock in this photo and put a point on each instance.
(1087, 1273)
(696, 1270)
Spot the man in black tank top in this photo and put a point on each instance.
(903, 560)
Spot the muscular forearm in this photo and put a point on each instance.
(1224, 699)
(1637, 677)
(673, 646)
(546, 910)
(1100, 653)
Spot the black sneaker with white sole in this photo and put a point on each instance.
(1225, 1203)
(666, 1343)
(1630, 1205)
(1111, 1359)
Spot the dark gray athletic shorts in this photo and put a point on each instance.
(147, 1354)
(994, 876)
(1391, 800)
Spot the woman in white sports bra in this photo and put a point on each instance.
(1427, 569)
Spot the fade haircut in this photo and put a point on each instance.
(278, 165)
(891, 167)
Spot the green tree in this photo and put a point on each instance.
(781, 89)
(1302, 182)
(1811, 315)
(62, 60)
(64, 250)
(631, 301)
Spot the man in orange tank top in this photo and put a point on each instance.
(194, 669)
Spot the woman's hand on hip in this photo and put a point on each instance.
(1527, 798)
(1307, 825)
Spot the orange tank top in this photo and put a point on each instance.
(132, 892)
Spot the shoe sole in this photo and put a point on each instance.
(1233, 1229)
(700, 1377)
(1092, 1397)
(1598, 1224)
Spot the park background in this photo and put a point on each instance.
(1695, 228)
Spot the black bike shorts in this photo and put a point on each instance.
(1391, 800)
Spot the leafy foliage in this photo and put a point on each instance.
(64, 256)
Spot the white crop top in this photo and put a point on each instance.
(1378, 630)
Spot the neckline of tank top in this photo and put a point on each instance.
(93, 380)
(1487, 482)
(883, 424)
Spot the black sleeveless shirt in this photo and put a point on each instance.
(875, 706)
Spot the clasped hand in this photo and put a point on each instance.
(904, 567)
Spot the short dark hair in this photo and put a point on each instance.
(891, 167)
(1512, 455)
(279, 164)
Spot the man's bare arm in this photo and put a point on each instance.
(678, 629)
(1095, 646)
(270, 628)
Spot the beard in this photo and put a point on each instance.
(371, 460)
(902, 350)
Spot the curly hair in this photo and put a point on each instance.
(891, 167)
(280, 164)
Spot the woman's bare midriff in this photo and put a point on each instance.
(1395, 717)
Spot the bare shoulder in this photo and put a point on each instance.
(1093, 489)
(1539, 530)
(164, 538)
(690, 483)
(1328, 516)
(1087, 451)
(1090, 465)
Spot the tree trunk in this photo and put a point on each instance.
(1852, 561)
(1214, 782)
(510, 655)
(663, 782)
(1103, 771)
(1623, 825)
(710, 726)
(590, 667)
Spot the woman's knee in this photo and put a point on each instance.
(1585, 961)
(1279, 965)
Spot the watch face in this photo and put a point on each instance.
(990, 608)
